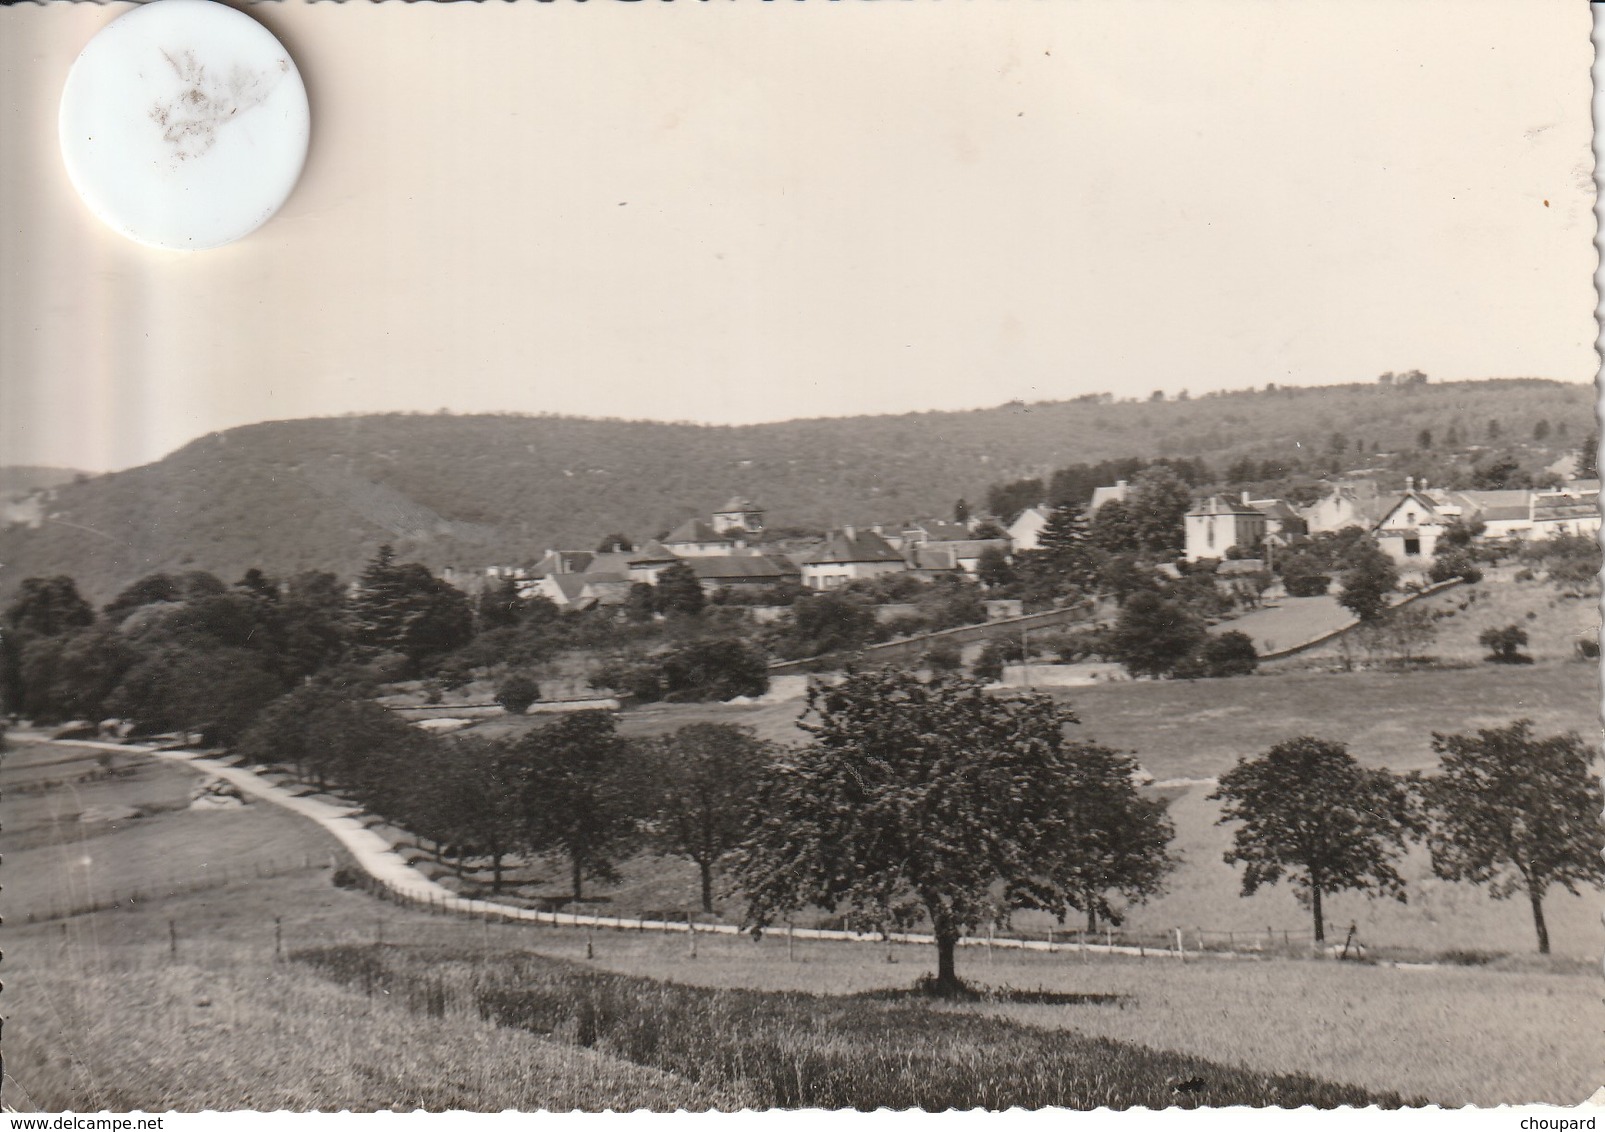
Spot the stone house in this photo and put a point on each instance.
(847, 555)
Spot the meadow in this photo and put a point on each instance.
(191, 1000)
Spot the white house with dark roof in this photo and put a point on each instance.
(847, 555)
(1025, 533)
(1220, 523)
(1573, 510)
(695, 538)
(1412, 525)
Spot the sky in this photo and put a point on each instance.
(734, 213)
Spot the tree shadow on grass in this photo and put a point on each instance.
(1011, 996)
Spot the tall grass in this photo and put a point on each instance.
(795, 1050)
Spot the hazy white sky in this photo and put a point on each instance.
(748, 212)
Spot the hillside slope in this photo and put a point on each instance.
(465, 490)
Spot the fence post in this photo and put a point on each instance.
(1084, 957)
(590, 952)
(788, 943)
(1050, 939)
(1181, 950)
(1200, 932)
(691, 932)
(172, 939)
(278, 938)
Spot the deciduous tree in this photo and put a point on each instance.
(914, 801)
(700, 783)
(576, 794)
(1153, 635)
(1117, 841)
(1516, 813)
(1310, 812)
(1367, 582)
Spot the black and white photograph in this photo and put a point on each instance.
(718, 555)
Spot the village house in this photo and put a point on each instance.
(1572, 510)
(736, 572)
(1219, 524)
(1410, 528)
(1352, 503)
(1102, 495)
(847, 555)
(696, 538)
(1025, 533)
(1503, 514)
(949, 557)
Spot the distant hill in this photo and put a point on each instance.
(19, 478)
(470, 490)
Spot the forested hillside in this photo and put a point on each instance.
(466, 490)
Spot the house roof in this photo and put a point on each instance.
(1038, 515)
(694, 531)
(562, 562)
(653, 552)
(737, 503)
(724, 567)
(570, 586)
(1221, 505)
(1555, 508)
(1484, 504)
(1102, 495)
(939, 530)
(1275, 509)
(1430, 509)
(850, 545)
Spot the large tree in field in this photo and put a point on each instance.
(1309, 811)
(1517, 813)
(1118, 842)
(700, 783)
(914, 801)
(578, 794)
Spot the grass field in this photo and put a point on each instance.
(1552, 620)
(101, 1012)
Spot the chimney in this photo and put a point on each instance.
(1120, 483)
(1409, 483)
(849, 533)
(1245, 497)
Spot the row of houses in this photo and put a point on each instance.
(729, 552)
(1406, 525)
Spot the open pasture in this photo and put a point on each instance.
(106, 1012)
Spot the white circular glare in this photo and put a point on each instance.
(184, 124)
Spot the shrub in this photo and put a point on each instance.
(1303, 577)
(1229, 654)
(989, 665)
(517, 692)
(1588, 648)
(1504, 645)
(944, 656)
(1454, 564)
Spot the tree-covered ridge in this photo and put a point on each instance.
(321, 494)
